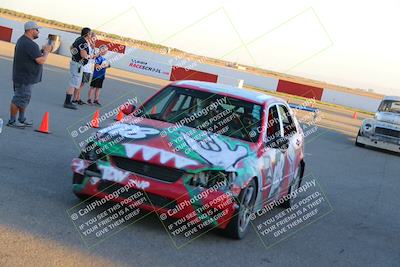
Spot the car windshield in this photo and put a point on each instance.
(206, 111)
(390, 106)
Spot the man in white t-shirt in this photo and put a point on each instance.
(87, 71)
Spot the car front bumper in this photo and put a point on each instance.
(378, 144)
(172, 199)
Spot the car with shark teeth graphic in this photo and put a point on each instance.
(194, 145)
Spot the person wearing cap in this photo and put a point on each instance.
(80, 57)
(27, 71)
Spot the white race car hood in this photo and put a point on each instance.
(388, 117)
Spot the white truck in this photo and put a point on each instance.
(383, 131)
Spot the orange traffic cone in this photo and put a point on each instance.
(44, 126)
(95, 121)
(120, 116)
(153, 110)
(355, 115)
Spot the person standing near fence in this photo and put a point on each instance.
(27, 71)
(87, 70)
(80, 57)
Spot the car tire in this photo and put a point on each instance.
(81, 197)
(296, 184)
(357, 143)
(77, 179)
(239, 224)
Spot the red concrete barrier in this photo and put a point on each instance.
(114, 47)
(5, 34)
(300, 89)
(179, 73)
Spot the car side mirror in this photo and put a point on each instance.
(128, 109)
(281, 143)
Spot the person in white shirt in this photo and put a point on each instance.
(87, 71)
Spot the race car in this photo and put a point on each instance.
(194, 146)
(383, 131)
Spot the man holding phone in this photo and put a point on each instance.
(80, 57)
(27, 71)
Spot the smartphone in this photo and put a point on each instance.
(49, 41)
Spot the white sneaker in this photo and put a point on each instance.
(15, 124)
(26, 123)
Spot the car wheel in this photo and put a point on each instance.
(81, 197)
(296, 184)
(357, 143)
(78, 179)
(239, 224)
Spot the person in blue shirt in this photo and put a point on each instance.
(99, 74)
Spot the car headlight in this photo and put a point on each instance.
(208, 179)
(378, 116)
(92, 152)
(367, 127)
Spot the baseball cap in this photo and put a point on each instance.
(31, 25)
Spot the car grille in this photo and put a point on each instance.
(150, 170)
(387, 132)
(109, 187)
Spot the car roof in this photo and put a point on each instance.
(392, 98)
(252, 96)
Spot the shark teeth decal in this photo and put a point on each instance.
(149, 153)
(131, 149)
(165, 156)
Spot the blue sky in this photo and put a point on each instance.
(352, 43)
